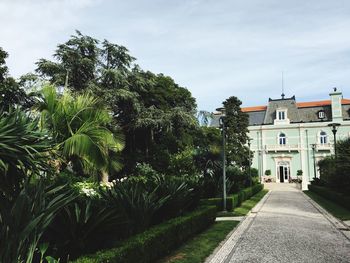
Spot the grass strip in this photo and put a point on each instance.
(247, 205)
(333, 208)
(202, 245)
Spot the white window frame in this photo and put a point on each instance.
(321, 115)
(280, 113)
(281, 116)
(282, 140)
(323, 137)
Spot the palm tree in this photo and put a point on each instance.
(23, 150)
(81, 127)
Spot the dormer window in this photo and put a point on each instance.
(321, 114)
(281, 115)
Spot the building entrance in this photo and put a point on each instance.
(283, 172)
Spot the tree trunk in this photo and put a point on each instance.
(104, 177)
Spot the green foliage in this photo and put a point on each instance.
(23, 150)
(138, 204)
(89, 224)
(196, 250)
(334, 171)
(335, 209)
(11, 94)
(254, 172)
(267, 172)
(218, 202)
(3, 67)
(207, 155)
(79, 126)
(339, 198)
(155, 114)
(164, 237)
(236, 123)
(234, 200)
(152, 200)
(183, 163)
(144, 169)
(299, 172)
(248, 204)
(24, 219)
(78, 58)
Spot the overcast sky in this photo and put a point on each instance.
(214, 48)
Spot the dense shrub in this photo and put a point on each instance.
(234, 200)
(23, 152)
(24, 219)
(218, 202)
(106, 214)
(85, 226)
(335, 171)
(157, 241)
(339, 198)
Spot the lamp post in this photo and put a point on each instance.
(250, 163)
(335, 127)
(313, 153)
(222, 125)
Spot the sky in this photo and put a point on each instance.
(216, 49)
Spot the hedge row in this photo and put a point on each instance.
(157, 241)
(235, 200)
(340, 199)
(218, 203)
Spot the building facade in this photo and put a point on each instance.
(290, 138)
(287, 137)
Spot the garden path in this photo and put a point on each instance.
(286, 226)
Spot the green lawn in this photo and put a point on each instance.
(202, 245)
(333, 208)
(246, 206)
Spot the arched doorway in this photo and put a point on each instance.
(283, 171)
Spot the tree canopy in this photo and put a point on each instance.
(236, 123)
(156, 114)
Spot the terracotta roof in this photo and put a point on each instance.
(299, 105)
(256, 108)
(319, 103)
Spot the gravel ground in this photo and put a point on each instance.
(285, 227)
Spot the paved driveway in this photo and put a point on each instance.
(286, 227)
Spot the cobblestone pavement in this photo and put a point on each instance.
(286, 226)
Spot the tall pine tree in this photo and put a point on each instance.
(236, 123)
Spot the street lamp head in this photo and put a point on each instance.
(334, 126)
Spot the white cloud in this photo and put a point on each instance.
(214, 48)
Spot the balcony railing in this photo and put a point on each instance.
(282, 148)
(324, 147)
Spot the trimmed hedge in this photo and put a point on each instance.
(234, 200)
(339, 198)
(218, 203)
(157, 241)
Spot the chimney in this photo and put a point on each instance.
(336, 98)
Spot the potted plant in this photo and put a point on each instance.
(299, 175)
(267, 176)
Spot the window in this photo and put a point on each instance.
(281, 115)
(282, 139)
(323, 137)
(321, 115)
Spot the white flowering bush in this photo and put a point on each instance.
(89, 189)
